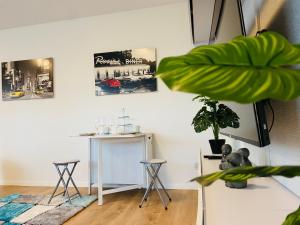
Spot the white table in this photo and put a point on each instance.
(264, 202)
(95, 166)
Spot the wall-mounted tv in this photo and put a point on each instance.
(228, 22)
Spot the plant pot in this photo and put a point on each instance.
(216, 145)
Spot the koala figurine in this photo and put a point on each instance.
(234, 159)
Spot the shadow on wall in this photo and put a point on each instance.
(10, 171)
(286, 129)
(286, 21)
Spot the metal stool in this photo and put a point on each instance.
(62, 168)
(153, 166)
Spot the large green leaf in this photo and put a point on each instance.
(247, 69)
(245, 173)
(293, 218)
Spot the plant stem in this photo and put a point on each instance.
(216, 130)
(215, 126)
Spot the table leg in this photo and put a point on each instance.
(100, 177)
(148, 154)
(89, 166)
(145, 157)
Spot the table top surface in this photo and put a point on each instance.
(113, 136)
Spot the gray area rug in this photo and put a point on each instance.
(56, 201)
(30, 199)
(56, 216)
(84, 201)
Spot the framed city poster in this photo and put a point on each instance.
(27, 79)
(128, 71)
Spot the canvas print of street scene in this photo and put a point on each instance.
(128, 71)
(27, 79)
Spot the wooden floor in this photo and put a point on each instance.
(122, 208)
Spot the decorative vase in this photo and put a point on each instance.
(216, 145)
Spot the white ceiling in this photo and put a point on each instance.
(16, 13)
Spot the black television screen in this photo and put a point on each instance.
(253, 128)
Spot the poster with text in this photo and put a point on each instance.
(27, 79)
(128, 71)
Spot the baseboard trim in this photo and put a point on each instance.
(183, 186)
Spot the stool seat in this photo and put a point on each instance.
(154, 161)
(66, 162)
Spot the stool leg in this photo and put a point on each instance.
(68, 172)
(65, 186)
(154, 177)
(57, 185)
(161, 198)
(163, 187)
(147, 191)
(71, 179)
(145, 196)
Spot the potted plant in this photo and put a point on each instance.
(217, 116)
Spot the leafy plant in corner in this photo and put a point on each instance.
(245, 70)
(217, 116)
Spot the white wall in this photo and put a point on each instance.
(33, 133)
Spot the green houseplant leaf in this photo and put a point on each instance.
(293, 218)
(227, 117)
(203, 120)
(247, 69)
(244, 173)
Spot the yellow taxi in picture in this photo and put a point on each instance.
(16, 94)
(39, 92)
